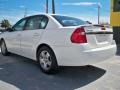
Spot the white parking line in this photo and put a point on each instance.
(7, 86)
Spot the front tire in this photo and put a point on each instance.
(47, 60)
(4, 50)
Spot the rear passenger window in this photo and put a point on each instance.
(44, 22)
(37, 22)
(33, 23)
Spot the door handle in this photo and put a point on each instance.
(19, 35)
(36, 34)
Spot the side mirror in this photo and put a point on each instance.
(9, 29)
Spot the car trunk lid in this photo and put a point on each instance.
(97, 36)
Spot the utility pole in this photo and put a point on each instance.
(99, 6)
(53, 6)
(46, 6)
(25, 12)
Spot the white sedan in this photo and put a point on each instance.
(56, 40)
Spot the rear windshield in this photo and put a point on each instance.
(69, 21)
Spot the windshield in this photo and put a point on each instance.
(69, 21)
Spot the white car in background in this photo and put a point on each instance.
(56, 40)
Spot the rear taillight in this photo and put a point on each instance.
(79, 36)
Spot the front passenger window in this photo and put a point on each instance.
(19, 26)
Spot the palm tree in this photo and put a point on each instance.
(5, 24)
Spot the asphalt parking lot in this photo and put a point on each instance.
(19, 73)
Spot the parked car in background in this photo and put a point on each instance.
(57, 40)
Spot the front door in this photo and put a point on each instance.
(13, 39)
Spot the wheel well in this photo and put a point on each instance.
(41, 45)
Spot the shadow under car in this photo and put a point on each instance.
(26, 75)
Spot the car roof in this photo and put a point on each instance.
(45, 15)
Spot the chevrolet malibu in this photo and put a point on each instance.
(57, 40)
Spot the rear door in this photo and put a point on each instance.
(34, 28)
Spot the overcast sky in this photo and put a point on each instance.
(13, 10)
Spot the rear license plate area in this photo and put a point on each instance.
(102, 38)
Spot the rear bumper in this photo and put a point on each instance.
(80, 56)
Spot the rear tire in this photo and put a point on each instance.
(4, 50)
(47, 60)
